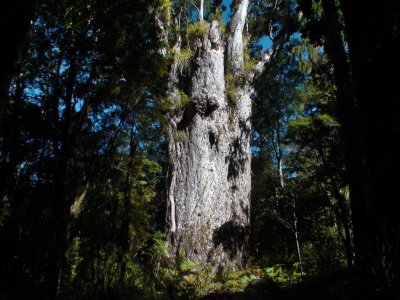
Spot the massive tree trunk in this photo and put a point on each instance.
(209, 174)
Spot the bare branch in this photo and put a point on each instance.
(234, 49)
(268, 56)
(201, 11)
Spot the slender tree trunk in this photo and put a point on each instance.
(209, 173)
(343, 215)
(62, 197)
(341, 212)
(292, 226)
(297, 237)
(201, 11)
(125, 239)
(340, 208)
(281, 178)
(14, 24)
(349, 117)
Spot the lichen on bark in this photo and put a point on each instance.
(209, 176)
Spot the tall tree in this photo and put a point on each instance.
(209, 127)
(79, 86)
(15, 18)
(368, 113)
(374, 45)
(209, 173)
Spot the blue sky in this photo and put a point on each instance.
(226, 14)
(265, 41)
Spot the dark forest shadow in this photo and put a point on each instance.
(232, 237)
(342, 284)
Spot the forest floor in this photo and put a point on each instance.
(335, 285)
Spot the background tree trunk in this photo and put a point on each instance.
(14, 24)
(374, 45)
(209, 174)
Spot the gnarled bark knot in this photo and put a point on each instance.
(205, 104)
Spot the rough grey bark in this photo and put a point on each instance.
(209, 176)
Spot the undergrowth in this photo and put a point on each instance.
(157, 276)
(183, 279)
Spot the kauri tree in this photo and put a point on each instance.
(211, 81)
